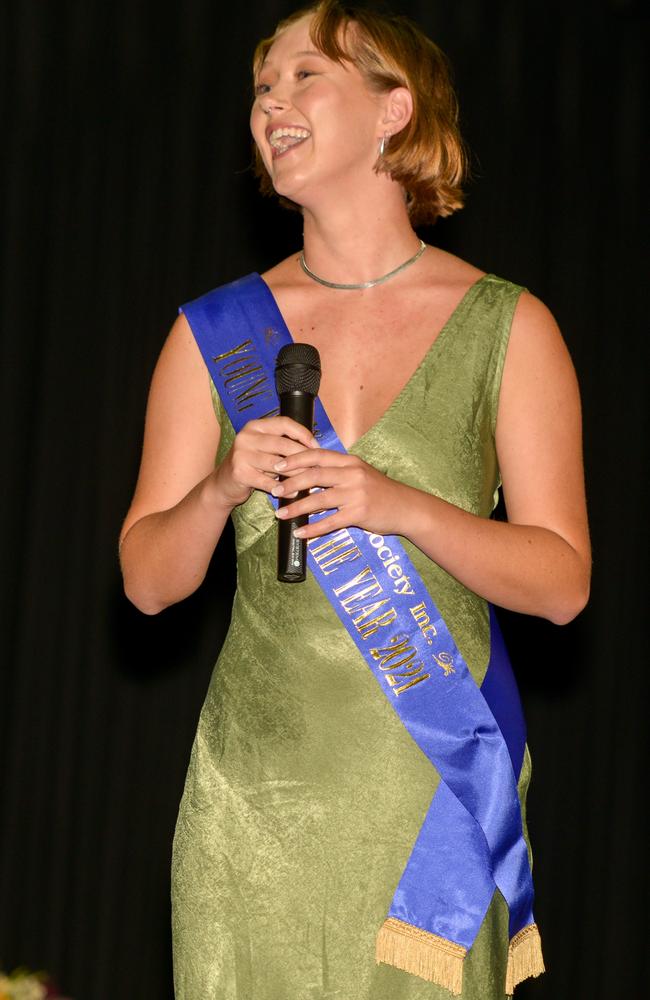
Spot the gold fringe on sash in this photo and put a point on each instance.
(422, 954)
(440, 961)
(524, 957)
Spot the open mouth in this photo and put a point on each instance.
(282, 140)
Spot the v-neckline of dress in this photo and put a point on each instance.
(432, 349)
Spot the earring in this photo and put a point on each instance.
(384, 142)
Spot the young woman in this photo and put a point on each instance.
(325, 823)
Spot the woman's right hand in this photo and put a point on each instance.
(259, 445)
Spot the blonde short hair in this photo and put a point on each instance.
(427, 157)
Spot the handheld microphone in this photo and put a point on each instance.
(297, 380)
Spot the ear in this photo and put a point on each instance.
(398, 109)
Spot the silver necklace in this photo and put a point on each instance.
(362, 284)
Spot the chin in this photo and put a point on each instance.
(288, 187)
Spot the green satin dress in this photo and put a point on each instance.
(305, 793)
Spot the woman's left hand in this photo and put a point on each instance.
(357, 493)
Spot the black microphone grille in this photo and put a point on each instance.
(297, 369)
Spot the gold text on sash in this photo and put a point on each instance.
(334, 550)
(243, 376)
(444, 660)
(362, 598)
(396, 656)
(423, 622)
(361, 605)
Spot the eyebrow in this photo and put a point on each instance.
(305, 52)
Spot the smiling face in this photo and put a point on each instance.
(315, 122)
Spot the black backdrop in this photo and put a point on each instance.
(126, 189)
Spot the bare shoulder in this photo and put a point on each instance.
(283, 273)
(532, 312)
(538, 370)
(535, 336)
(180, 388)
(442, 283)
(180, 358)
(448, 270)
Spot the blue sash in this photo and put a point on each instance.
(471, 840)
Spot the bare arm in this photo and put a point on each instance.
(538, 562)
(176, 517)
(181, 502)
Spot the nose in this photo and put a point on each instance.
(275, 100)
(270, 107)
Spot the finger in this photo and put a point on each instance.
(323, 526)
(308, 480)
(274, 444)
(286, 427)
(318, 501)
(254, 454)
(322, 458)
(255, 480)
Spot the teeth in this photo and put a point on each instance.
(287, 133)
(294, 133)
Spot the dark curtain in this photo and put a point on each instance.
(126, 189)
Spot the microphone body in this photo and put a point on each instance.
(297, 377)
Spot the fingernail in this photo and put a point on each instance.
(315, 443)
(277, 491)
(299, 533)
(279, 465)
(281, 512)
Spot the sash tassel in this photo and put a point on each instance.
(421, 953)
(524, 957)
(440, 961)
